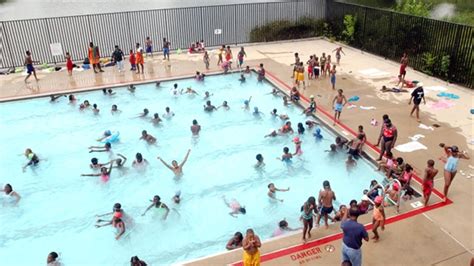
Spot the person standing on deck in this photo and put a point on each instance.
(250, 244)
(139, 58)
(94, 57)
(338, 102)
(325, 199)
(428, 181)
(451, 166)
(148, 47)
(29, 67)
(403, 71)
(417, 95)
(166, 49)
(388, 135)
(117, 57)
(353, 233)
(338, 51)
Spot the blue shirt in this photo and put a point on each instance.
(354, 232)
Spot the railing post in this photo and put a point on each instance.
(363, 30)
(235, 25)
(129, 31)
(202, 24)
(50, 40)
(7, 46)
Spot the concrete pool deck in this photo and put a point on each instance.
(435, 236)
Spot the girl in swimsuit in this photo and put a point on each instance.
(235, 206)
(104, 173)
(69, 64)
(307, 213)
(298, 150)
(451, 166)
(378, 218)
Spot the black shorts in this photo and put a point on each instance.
(326, 210)
(353, 152)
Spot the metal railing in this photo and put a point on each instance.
(438, 48)
(181, 26)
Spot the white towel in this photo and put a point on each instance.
(423, 126)
(416, 137)
(367, 107)
(435, 88)
(410, 147)
(373, 73)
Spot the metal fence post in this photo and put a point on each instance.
(202, 24)
(49, 37)
(235, 24)
(6, 47)
(129, 30)
(390, 32)
(363, 30)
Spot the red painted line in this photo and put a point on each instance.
(331, 238)
(327, 239)
(373, 147)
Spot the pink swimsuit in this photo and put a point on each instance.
(104, 178)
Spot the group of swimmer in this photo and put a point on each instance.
(320, 209)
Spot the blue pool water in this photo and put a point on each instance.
(58, 206)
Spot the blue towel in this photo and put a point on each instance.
(353, 99)
(448, 95)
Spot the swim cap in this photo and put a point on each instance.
(296, 139)
(378, 199)
(311, 97)
(246, 102)
(395, 186)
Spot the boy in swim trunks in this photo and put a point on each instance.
(166, 49)
(338, 102)
(148, 47)
(325, 199)
(428, 180)
(29, 66)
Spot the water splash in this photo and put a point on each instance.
(442, 11)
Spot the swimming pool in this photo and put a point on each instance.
(58, 206)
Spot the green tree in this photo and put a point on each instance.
(414, 7)
(350, 25)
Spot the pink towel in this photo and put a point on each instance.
(442, 104)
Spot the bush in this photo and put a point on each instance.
(350, 27)
(414, 7)
(286, 30)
